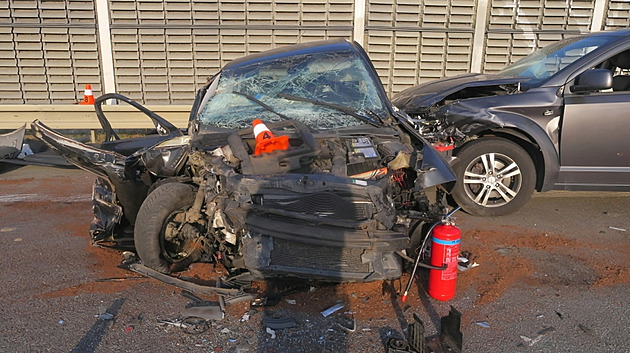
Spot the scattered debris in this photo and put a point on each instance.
(106, 316)
(188, 325)
(239, 298)
(483, 324)
(332, 309)
(291, 301)
(466, 266)
(194, 325)
(118, 279)
(559, 314)
(616, 228)
(245, 317)
(279, 323)
(225, 330)
(450, 332)
(133, 322)
(60, 322)
(541, 334)
(271, 332)
(269, 300)
(211, 312)
(191, 287)
(540, 316)
(348, 324)
(449, 340)
(465, 261)
(585, 329)
(11, 143)
(16, 149)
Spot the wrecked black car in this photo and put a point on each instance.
(349, 194)
(554, 120)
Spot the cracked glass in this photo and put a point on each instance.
(322, 90)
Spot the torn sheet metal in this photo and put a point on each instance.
(11, 143)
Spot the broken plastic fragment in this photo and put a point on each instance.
(467, 266)
(483, 324)
(107, 316)
(271, 332)
(332, 309)
(541, 334)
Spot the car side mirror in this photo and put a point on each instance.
(592, 80)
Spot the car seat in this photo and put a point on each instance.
(621, 61)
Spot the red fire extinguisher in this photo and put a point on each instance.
(444, 251)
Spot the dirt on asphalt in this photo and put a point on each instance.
(510, 258)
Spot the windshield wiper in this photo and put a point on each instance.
(259, 102)
(352, 112)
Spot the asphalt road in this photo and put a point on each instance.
(553, 277)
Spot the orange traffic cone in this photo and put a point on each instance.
(265, 140)
(88, 97)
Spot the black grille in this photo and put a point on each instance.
(292, 254)
(327, 205)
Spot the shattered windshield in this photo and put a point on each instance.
(549, 60)
(322, 90)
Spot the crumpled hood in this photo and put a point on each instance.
(417, 99)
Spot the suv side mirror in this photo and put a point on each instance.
(592, 80)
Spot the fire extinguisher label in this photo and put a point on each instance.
(450, 259)
(446, 242)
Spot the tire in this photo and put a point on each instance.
(157, 210)
(486, 191)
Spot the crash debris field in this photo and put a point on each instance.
(551, 278)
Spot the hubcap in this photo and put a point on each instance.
(492, 180)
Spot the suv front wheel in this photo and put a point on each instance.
(495, 177)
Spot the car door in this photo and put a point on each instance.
(594, 143)
(165, 130)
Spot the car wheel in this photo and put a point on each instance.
(163, 240)
(494, 177)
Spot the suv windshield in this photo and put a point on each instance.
(322, 90)
(551, 59)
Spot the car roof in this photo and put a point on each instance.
(333, 45)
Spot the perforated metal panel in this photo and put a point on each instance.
(618, 14)
(414, 41)
(164, 50)
(517, 27)
(48, 51)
